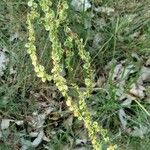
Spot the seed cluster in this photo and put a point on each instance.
(52, 22)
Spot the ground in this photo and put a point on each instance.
(117, 35)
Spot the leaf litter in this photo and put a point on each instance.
(81, 5)
(36, 121)
(3, 62)
(137, 91)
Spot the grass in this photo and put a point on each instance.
(125, 31)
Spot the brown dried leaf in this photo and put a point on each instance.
(5, 123)
(137, 90)
(123, 118)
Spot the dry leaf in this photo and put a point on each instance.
(12, 71)
(19, 122)
(48, 147)
(87, 24)
(123, 118)
(117, 72)
(134, 35)
(33, 134)
(39, 139)
(37, 120)
(81, 148)
(68, 122)
(3, 62)
(5, 123)
(108, 10)
(81, 141)
(126, 100)
(14, 36)
(137, 90)
(48, 110)
(80, 5)
(96, 40)
(100, 82)
(139, 132)
(1, 135)
(25, 144)
(144, 75)
(100, 23)
(148, 62)
(121, 73)
(46, 138)
(135, 55)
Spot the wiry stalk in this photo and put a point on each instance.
(52, 22)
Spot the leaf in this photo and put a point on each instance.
(126, 100)
(117, 72)
(87, 24)
(81, 148)
(1, 135)
(46, 138)
(107, 10)
(39, 136)
(100, 82)
(123, 118)
(121, 73)
(81, 5)
(82, 136)
(48, 110)
(137, 90)
(68, 122)
(39, 139)
(37, 120)
(148, 62)
(81, 141)
(96, 40)
(5, 123)
(48, 147)
(33, 134)
(139, 132)
(13, 36)
(25, 144)
(135, 55)
(144, 75)
(19, 122)
(3, 62)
